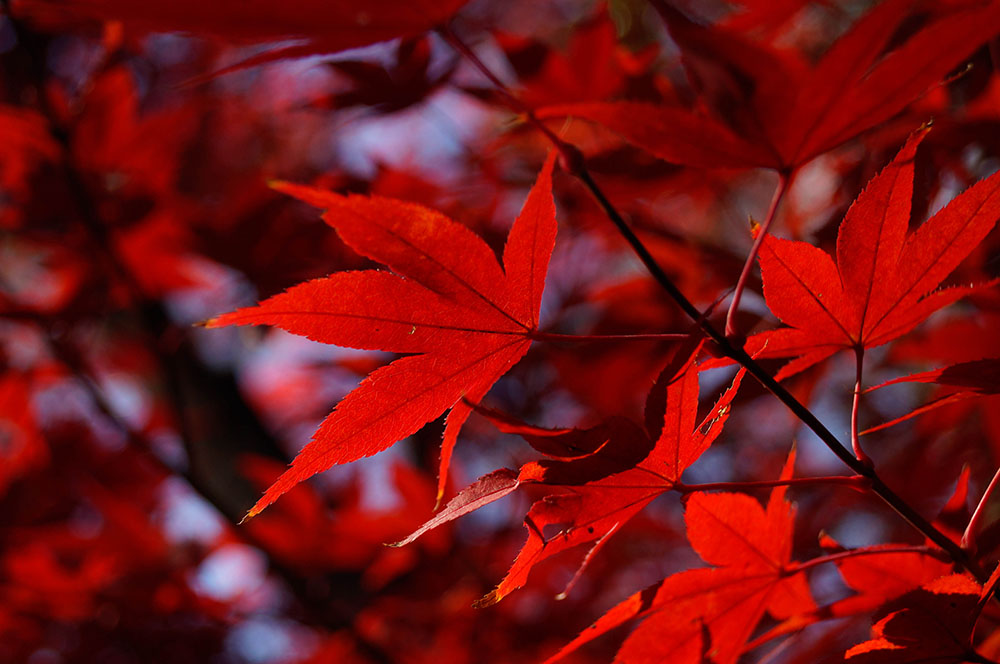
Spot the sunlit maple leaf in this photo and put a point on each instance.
(465, 319)
(709, 613)
(883, 283)
(766, 108)
(931, 624)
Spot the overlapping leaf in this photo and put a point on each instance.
(592, 510)
(964, 381)
(709, 613)
(611, 471)
(980, 376)
(467, 319)
(883, 283)
(931, 624)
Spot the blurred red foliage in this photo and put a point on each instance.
(140, 143)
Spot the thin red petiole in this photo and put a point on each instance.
(969, 536)
(859, 353)
(741, 285)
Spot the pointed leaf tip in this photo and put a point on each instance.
(487, 600)
(318, 198)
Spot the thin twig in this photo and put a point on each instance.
(854, 553)
(969, 536)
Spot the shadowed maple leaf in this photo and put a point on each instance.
(774, 111)
(465, 319)
(980, 376)
(304, 28)
(965, 380)
(326, 25)
(710, 613)
(931, 624)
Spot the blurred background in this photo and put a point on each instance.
(135, 153)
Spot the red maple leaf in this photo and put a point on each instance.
(883, 283)
(464, 318)
(711, 612)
